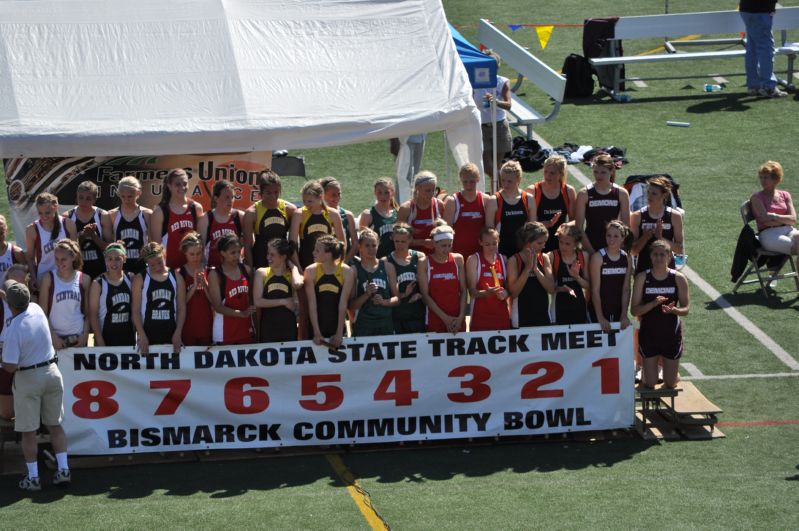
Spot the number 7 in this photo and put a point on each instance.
(178, 389)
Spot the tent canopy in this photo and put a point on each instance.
(114, 77)
(481, 68)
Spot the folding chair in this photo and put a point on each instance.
(766, 265)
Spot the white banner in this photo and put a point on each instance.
(381, 389)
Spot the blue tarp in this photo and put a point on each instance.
(481, 68)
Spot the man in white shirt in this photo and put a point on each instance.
(38, 388)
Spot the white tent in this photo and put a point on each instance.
(154, 77)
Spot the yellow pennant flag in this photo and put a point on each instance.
(544, 33)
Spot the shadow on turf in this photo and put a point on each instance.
(446, 463)
(219, 480)
(735, 101)
(227, 479)
(775, 300)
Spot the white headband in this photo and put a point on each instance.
(443, 236)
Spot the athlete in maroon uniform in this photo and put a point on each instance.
(223, 219)
(486, 277)
(570, 270)
(660, 298)
(601, 202)
(176, 215)
(611, 268)
(654, 222)
(465, 212)
(442, 283)
(421, 211)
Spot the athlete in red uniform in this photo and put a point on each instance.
(422, 210)
(199, 313)
(487, 281)
(223, 219)
(442, 283)
(229, 291)
(465, 211)
(176, 215)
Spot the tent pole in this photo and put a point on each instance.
(494, 177)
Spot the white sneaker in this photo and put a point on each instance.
(772, 93)
(62, 477)
(30, 484)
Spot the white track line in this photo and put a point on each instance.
(638, 83)
(738, 376)
(709, 290)
(720, 80)
(692, 370)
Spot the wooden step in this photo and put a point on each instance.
(690, 401)
(700, 433)
(698, 419)
(657, 427)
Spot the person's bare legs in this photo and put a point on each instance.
(671, 372)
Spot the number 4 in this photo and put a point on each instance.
(403, 393)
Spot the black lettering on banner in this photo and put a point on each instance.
(373, 351)
(359, 429)
(552, 418)
(253, 357)
(196, 435)
(126, 361)
(577, 339)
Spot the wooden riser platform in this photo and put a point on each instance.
(678, 413)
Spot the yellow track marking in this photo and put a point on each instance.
(358, 494)
(663, 49)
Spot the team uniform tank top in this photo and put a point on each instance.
(134, 234)
(114, 312)
(44, 247)
(647, 222)
(371, 319)
(661, 334)
(510, 219)
(546, 209)
(174, 228)
(408, 316)
(278, 323)
(270, 223)
(6, 261)
(235, 294)
(312, 227)
(66, 313)
(469, 220)
(421, 221)
(199, 313)
(490, 313)
(600, 209)
(159, 308)
(328, 289)
(567, 309)
(444, 288)
(384, 227)
(93, 261)
(531, 307)
(611, 287)
(216, 231)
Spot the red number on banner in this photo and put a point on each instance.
(403, 393)
(333, 395)
(609, 369)
(479, 390)
(178, 389)
(94, 392)
(552, 373)
(236, 397)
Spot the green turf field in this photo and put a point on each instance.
(748, 480)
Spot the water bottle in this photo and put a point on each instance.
(623, 98)
(713, 88)
(486, 103)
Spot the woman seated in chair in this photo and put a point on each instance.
(774, 212)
